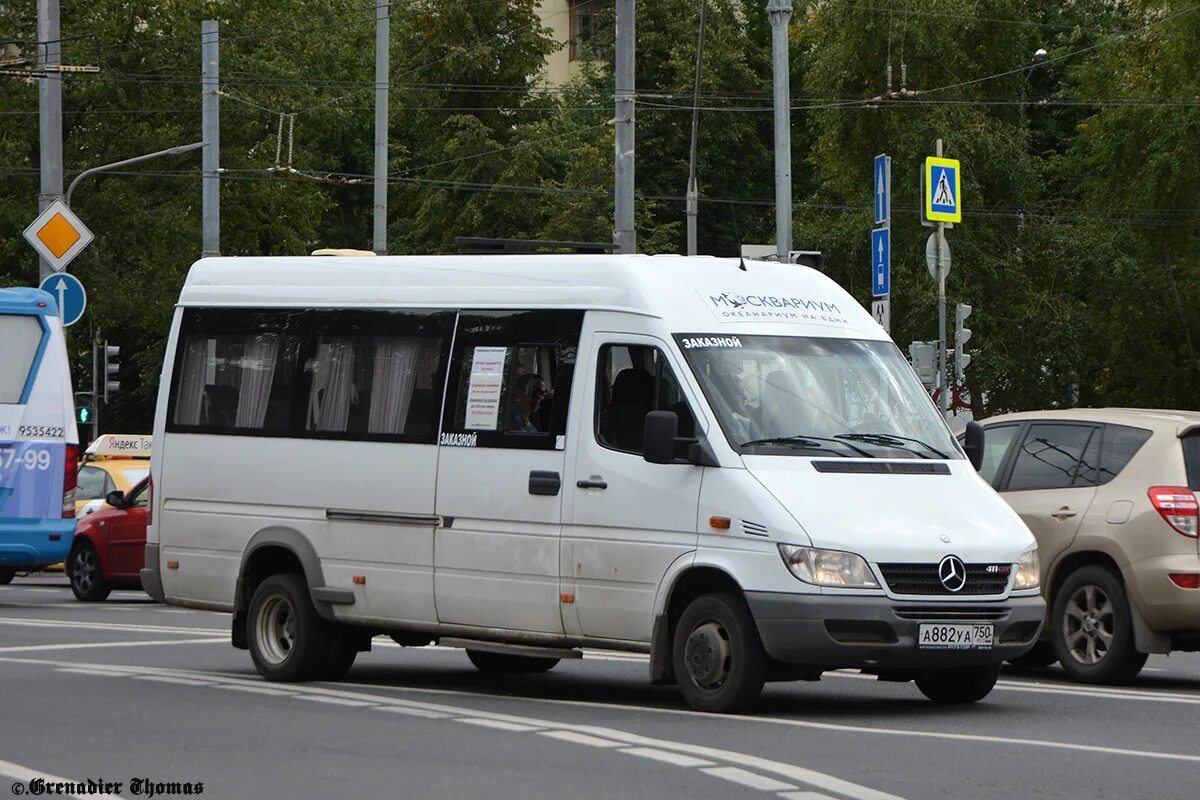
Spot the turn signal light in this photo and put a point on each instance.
(1177, 505)
(1186, 580)
(360, 580)
(720, 523)
(172, 564)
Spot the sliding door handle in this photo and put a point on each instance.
(544, 482)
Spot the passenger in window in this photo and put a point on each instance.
(527, 395)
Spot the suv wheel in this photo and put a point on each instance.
(1092, 629)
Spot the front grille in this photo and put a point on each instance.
(923, 579)
(951, 613)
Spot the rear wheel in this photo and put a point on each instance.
(719, 660)
(958, 684)
(507, 664)
(86, 575)
(6, 576)
(288, 639)
(1092, 628)
(1042, 655)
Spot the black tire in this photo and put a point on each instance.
(958, 684)
(86, 574)
(6, 576)
(1042, 655)
(1092, 630)
(719, 660)
(288, 640)
(506, 664)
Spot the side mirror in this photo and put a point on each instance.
(973, 444)
(658, 437)
(115, 498)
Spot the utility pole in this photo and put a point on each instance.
(624, 233)
(96, 386)
(780, 13)
(943, 382)
(49, 46)
(693, 192)
(210, 126)
(382, 76)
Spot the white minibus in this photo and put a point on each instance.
(727, 465)
(39, 446)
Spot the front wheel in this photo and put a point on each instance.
(6, 576)
(958, 684)
(86, 575)
(719, 660)
(506, 664)
(1092, 628)
(288, 640)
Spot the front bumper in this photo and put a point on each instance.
(834, 632)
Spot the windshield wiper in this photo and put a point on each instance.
(810, 442)
(891, 440)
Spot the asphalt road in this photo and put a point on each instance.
(133, 692)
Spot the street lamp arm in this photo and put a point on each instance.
(173, 151)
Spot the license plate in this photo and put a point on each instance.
(951, 636)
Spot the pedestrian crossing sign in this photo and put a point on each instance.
(943, 201)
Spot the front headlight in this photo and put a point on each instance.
(1028, 571)
(828, 567)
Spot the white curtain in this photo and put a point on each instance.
(392, 383)
(191, 380)
(333, 386)
(257, 375)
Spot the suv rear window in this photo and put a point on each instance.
(1120, 445)
(21, 335)
(1191, 458)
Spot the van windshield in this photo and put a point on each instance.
(21, 335)
(793, 395)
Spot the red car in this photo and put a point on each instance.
(110, 545)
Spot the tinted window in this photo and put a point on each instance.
(634, 380)
(346, 374)
(1120, 444)
(1191, 458)
(93, 484)
(511, 377)
(21, 335)
(1049, 456)
(1088, 471)
(996, 444)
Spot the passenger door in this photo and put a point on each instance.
(1052, 481)
(630, 519)
(127, 534)
(500, 470)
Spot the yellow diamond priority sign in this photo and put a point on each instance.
(58, 235)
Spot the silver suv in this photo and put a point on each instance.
(1110, 495)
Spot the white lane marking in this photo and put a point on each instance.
(1037, 687)
(805, 796)
(791, 771)
(580, 738)
(333, 701)
(172, 680)
(25, 775)
(498, 724)
(92, 672)
(101, 645)
(51, 591)
(735, 775)
(250, 688)
(412, 712)
(666, 757)
(115, 626)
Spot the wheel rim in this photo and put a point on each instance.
(708, 654)
(276, 629)
(1089, 623)
(84, 573)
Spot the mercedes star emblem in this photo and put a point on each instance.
(952, 573)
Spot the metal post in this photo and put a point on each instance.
(95, 383)
(382, 76)
(624, 233)
(210, 126)
(49, 113)
(173, 151)
(693, 192)
(780, 13)
(943, 382)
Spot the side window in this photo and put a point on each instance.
(91, 483)
(996, 444)
(138, 498)
(632, 381)
(1120, 445)
(511, 376)
(1049, 456)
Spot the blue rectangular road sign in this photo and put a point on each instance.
(881, 262)
(883, 188)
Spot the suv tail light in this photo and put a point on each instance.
(70, 481)
(1178, 506)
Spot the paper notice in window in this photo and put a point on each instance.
(483, 391)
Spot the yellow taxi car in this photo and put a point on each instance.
(115, 461)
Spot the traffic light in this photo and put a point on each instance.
(962, 335)
(111, 367)
(84, 413)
